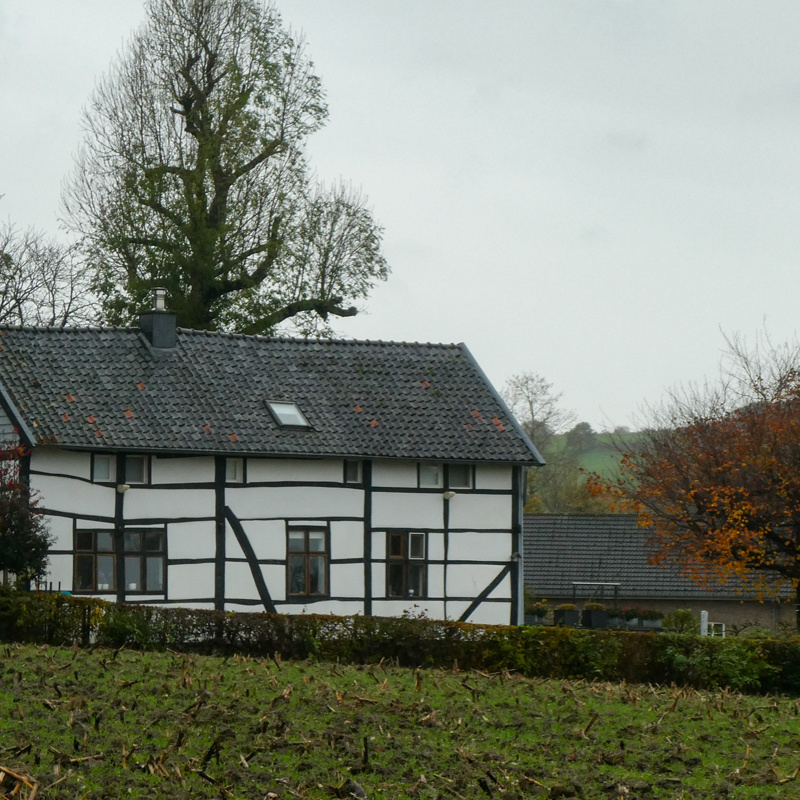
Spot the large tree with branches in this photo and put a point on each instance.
(193, 177)
(716, 475)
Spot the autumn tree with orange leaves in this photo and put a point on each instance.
(716, 475)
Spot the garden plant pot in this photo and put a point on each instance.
(568, 618)
(633, 624)
(535, 619)
(615, 622)
(594, 618)
(653, 624)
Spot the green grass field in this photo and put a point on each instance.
(104, 724)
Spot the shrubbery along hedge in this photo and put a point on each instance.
(755, 665)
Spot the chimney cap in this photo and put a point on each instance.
(159, 299)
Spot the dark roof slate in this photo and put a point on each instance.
(606, 548)
(107, 388)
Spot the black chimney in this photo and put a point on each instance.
(159, 325)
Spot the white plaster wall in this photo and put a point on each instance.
(407, 510)
(378, 544)
(342, 609)
(347, 580)
(60, 569)
(93, 525)
(469, 580)
(267, 538)
(493, 476)
(503, 589)
(275, 578)
(190, 581)
(74, 497)
(299, 502)
(182, 470)
(166, 504)
(239, 581)
(455, 608)
(261, 470)
(188, 604)
(491, 614)
(61, 530)
(61, 462)
(480, 547)
(480, 511)
(378, 580)
(347, 539)
(191, 540)
(433, 609)
(435, 580)
(401, 474)
(435, 546)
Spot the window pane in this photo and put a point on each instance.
(234, 470)
(317, 575)
(105, 541)
(101, 468)
(430, 475)
(297, 541)
(352, 471)
(396, 545)
(460, 476)
(316, 541)
(416, 545)
(134, 469)
(84, 577)
(133, 573)
(84, 540)
(155, 574)
(153, 540)
(105, 573)
(394, 579)
(288, 414)
(297, 574)
(416, 580)
(133, 541)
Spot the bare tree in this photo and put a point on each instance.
(193, 176)
(42, 282)
(532, 401)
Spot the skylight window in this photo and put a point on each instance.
(287, 414)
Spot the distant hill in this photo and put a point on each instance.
(604, 454)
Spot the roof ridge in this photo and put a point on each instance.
(317, 340)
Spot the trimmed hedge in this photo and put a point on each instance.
(754, 665)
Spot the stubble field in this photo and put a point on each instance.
(111, 724)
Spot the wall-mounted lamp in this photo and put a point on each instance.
(449, 495)
(123, 487)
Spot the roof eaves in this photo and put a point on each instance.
(517, 427)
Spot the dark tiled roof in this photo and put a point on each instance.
(610, 548)
(108, 388)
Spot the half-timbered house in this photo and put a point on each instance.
(236, 472)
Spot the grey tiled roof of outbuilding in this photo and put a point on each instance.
(107, 388)
(604, 548)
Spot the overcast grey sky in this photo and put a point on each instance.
(589, 190)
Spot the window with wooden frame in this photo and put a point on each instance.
(460, 476)
(307, 562)
(94, 562)
(352, 471)
(145, 560)
(144, 564)
(406, 564)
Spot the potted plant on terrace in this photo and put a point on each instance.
(566, 615)
(616, 618)
(594, 615)
(632, 615)
(652, 620)
(536, 612)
